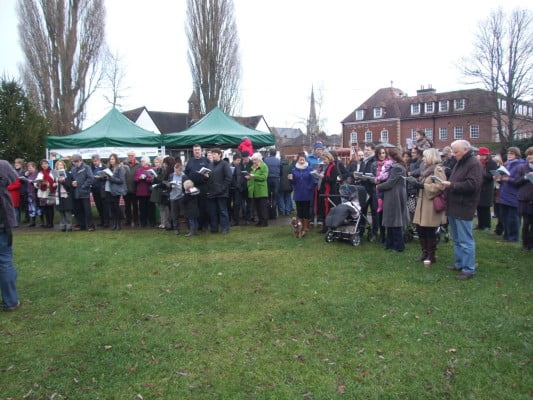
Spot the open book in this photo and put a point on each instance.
(500, 171)
(150, 172)
(316, 174)
(364, 176)
(435, 179)
(105, 172)
(204, 170)
(59, 173)
(529, 177)
(245, 173)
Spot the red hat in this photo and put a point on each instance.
(483, 151)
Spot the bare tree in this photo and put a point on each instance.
(502, 61)
(62, 43)
(213, 53)
(114, 79)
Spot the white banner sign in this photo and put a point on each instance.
(104, 152)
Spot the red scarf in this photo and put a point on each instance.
(47, 178)
(327, 186)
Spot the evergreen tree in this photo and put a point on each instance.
(22, 128)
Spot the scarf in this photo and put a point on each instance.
(302, 167)
(428, 171)
(48, 181)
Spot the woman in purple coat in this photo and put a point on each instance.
(303, 185)
(508, 196)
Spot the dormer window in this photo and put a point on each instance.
(359, 115)
(459, 104)
(378, 112)
(429, 107)
(443, 106)
(415, 108)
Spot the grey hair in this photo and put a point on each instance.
(431, 156)
(257, 156)
(146, 159)
(464, 144)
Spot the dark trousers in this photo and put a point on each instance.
(260, 205)
(303, 209)
(238, 206)
(146, 211)
(527, 231)
(273, 189)
(483, 217)
(101, 207)
(218, 214)
(203, 219)
(426, 232)
(371, 203)
(48, 212)
(83, 213)
(511, 222)
(394, 240)
(131, 208)
(176, 208)
(113, 205)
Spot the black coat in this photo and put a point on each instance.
(219, 180)
(284, 183)
(525, 191)
(190, 206)
(65, 203)
(462, 196)
(486, 196)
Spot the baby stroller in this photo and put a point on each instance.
(343, 220)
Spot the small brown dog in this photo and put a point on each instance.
(297, 227)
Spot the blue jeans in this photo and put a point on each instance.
(464, 246)
(218, 213)
(511, 222)
(285, 202)
(8, 273)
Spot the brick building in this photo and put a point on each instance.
(390, 115)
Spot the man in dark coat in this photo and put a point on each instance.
(218, 183)
(82, 179)
(274, 172)
(486, 195)
(462, 197)
(8, 273)
(194, 165)
(369, 167)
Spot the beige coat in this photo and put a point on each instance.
(425, 214)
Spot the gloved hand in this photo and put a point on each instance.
(414, 182)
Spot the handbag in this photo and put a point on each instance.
(439, 202)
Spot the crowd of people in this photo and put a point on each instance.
(423, 187)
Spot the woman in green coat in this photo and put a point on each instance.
(258, 188)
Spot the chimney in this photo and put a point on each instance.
(423, 90)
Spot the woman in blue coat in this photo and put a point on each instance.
(303, 185)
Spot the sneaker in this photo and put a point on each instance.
(453, 268)
(13, 308)
(464, 276)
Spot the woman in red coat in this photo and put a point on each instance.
(14, 191)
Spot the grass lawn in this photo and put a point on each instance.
(257, 314)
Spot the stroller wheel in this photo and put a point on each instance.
(356, 240)
(330, 236)
(446, 238)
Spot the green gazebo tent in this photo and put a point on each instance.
(113, 130)
(217, 129)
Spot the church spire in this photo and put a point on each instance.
(312, 123)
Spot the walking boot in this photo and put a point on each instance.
(43, 224)
(32, 222)
(432, 249)
(424, 246)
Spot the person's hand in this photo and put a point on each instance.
(446, 184)
(505, 178)
(75, 183)
(143, 176)
(289, 177)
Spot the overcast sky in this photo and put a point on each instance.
(347, 49)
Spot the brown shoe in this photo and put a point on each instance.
(464, 276)
(453, 268)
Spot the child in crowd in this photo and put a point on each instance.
(190, 206)
(64, 196)
(382, 174)
(176, 196)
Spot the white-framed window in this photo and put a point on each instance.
(459, 104)
(474, 131)
(384, 136)
(458, 132)
(503, 104)
(530, 111)
(378, 112)
(353, 137)
(368, 137)
(429, 107)
(429, 133)
(359, 115)
(443, 106)
(443, 134)
(413, 134)
(415, 108)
